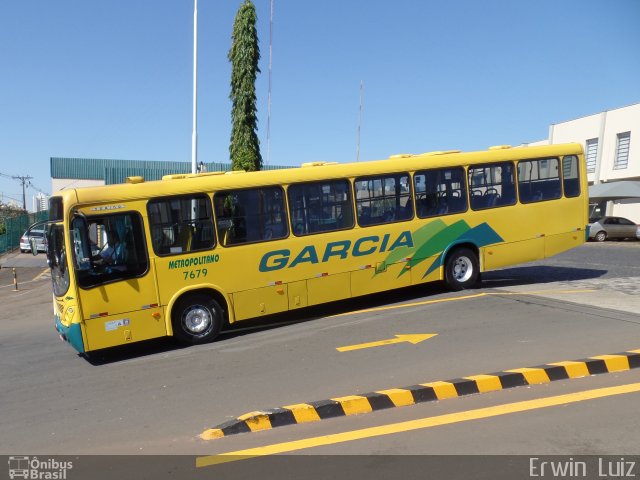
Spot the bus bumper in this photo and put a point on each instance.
(71, 334)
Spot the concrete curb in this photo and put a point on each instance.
(424, 392)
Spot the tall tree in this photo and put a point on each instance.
(244, 148)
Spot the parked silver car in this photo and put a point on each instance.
(35, 231)
(613, 227)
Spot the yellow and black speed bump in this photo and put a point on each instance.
(424, 392)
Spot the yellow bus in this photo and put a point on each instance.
(184, 255)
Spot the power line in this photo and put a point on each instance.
(31, 185)
(24, 181)
(10, 196)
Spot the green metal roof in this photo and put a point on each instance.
(115, 171)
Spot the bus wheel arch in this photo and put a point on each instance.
(462, 266)
(197, 316)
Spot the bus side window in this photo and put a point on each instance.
(539, 180)
(440, 192)
(113, 248)
(251, 215)
(181, 224)
(320, 206)
(571, 176)
(492, 185)
(383, 199)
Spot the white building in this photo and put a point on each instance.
(40, 203)
(611, 142)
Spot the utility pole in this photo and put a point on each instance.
(24, 180)
(359, 122)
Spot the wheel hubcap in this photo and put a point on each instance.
(197, 320)
(462, 269)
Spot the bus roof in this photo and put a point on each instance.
(213, 181)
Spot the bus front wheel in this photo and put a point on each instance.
(462, 269)
(196, 319)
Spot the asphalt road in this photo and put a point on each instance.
(155, 398)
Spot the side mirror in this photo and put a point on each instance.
(34, 246)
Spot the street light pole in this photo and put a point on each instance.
(194, 135)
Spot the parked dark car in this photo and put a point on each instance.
(613, 227)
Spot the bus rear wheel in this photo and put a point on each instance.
(462, 269)
(196, 318)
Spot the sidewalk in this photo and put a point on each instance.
(612, 294)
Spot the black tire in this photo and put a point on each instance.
(461, 269)
(196, 318)
(601, 236)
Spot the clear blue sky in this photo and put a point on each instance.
(113, 78)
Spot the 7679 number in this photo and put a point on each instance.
(193, 274)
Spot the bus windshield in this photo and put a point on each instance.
(57, 259)
(108, 248)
